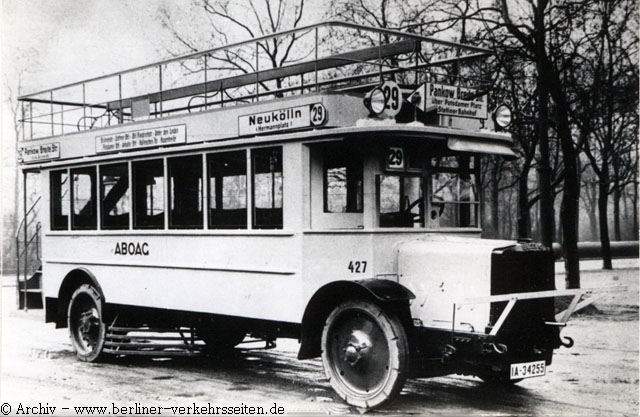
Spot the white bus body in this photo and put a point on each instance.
(308, 216)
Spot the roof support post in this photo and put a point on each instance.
(205, 82)
(120, 119)
(160, 85)
(25, 237)
(380, 55)
(84, 107)
(316, 60)
(51, 102)
(257, 96)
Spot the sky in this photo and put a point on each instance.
(50, 43)
(61, 41)
(64, 41)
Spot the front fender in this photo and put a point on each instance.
(385, 290)
(382, 291)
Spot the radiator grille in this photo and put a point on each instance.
(523, 268)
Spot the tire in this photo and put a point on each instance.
(220, 337)
(86, 328)
(365, 353)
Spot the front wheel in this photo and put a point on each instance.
(365, 353)
(86, 328)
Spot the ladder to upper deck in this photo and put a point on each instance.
(331, 56)
(28, 262)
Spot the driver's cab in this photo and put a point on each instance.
(384, 183)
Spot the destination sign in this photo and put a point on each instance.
(455, 101)
(138, 139)
(43, 152)
(282, 119)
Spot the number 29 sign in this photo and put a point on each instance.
(393, 98)
(395, 158)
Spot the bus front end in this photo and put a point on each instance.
(482, 307)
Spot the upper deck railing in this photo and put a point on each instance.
(325, 56)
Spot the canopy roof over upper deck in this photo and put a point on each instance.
(318, 90)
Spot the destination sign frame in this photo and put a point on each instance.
(455, 101)
(41, 152)
(290, 118)
(142, 138)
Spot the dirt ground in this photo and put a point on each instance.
(598, 376)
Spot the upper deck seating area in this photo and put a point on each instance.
(331, 56)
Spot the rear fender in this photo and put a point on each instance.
(70, 283)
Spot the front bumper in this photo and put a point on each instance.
(439, 351)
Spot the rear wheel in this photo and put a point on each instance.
(365, 353)
(86, 328)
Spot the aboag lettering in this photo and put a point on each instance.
(132, 248)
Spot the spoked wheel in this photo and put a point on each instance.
(86, 328)
(365, 353)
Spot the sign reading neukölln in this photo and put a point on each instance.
(456, 101)
(137, 139)
(282, 119)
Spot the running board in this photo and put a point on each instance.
(147, 341)
(169, 342)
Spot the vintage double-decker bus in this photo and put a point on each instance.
(333, 199)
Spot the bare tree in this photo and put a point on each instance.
(389, 14)
(232, 21)
(606, 98)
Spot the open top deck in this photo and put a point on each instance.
(312, 79)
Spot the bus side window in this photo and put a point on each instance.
(83, 199)
(267, 188)
(342, 181)
(59, 200)
(227, 190)
(185, 192)
(114, 195)
(148, 194)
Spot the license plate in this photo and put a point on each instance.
(528, 369)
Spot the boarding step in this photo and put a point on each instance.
(30, 293)
(166, 342)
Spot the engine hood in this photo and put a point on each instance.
(441, 270)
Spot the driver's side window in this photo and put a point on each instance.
(401, 202)
(454, 193)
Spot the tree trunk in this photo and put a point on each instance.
(591, 210)
(495, 201)
(569, 217)
(544, 171)
(542, 131)
(603, 197)
(524, 216)
(617, 194)
(569, 213)
(635, 196)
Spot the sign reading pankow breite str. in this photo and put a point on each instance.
(43, 152)
(137, 139)
(282, 119)
(455, 101)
